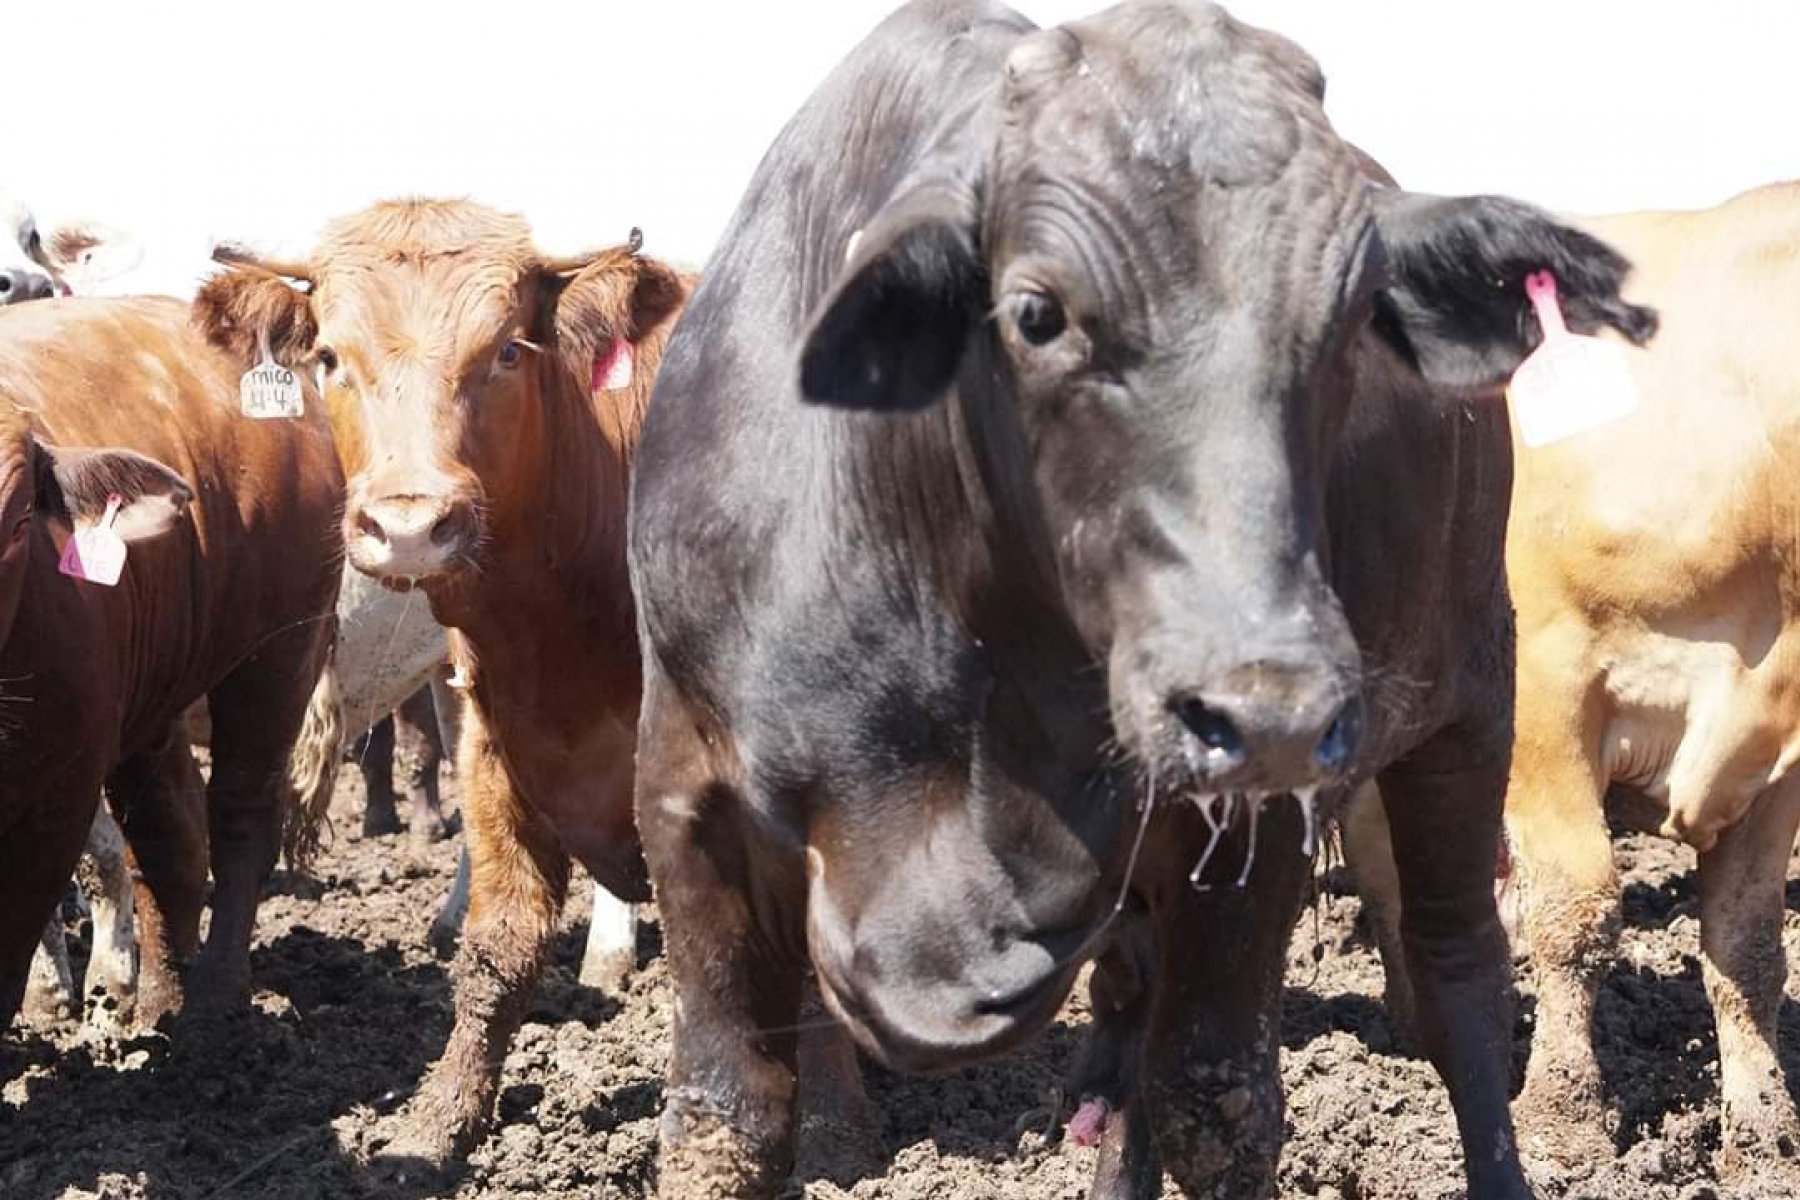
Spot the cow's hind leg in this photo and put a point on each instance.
(727, 1127)
(446, 927)
(1369, 854)
(1444, 811)
(257, 712)
(160, 802)
(109, 988)
(1742, 900)
(374, 752)
(416, 739)
(611, 950)
(519, 877)
(50, 990)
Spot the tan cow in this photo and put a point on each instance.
(1655, 567)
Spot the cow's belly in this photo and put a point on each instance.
(1696, 729)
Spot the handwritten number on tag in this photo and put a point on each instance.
(269, 390)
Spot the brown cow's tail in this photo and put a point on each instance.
(312, 773)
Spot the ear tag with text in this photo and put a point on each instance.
(1572, 382)
(612, 370)
(269, 390)
(97, 553)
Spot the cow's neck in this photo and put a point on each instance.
(553, 596)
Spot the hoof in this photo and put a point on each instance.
(443, 938)
(379, 824)
(1572, 1128)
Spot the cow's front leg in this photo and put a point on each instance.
(1743, 883)
(1214, 1083)
(1445, 818)
(727, 1130)
(518, 878)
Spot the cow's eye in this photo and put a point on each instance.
(1039, 317)
(511, 353)
(328, 359)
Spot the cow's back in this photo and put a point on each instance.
(1660, 556)
(260, 551)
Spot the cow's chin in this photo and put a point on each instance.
(920, 1025)
(404, 574)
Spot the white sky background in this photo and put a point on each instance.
(185, 122)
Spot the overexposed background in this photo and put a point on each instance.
(188, 121)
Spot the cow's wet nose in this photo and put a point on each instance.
(17, 286)
(1275, 736)
(412, 536)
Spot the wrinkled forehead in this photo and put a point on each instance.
(415, 307)
(1161, 95)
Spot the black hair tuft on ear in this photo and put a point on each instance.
(1457, 303)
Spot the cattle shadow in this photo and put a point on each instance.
(274, 1102)
(245, 1102)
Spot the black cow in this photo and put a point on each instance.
(1111, 494)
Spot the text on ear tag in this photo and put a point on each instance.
(612, 370)
(1572, 382)
(97, 553)
(269, 390)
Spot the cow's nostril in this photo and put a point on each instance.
(1214, 729)
(1339, 742)
(368, 526)
(452, 527)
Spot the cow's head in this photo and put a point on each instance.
(72, 257)
(455, 359)
(1164, 256)
(42, 485)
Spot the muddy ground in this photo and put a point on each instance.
(350, 1006)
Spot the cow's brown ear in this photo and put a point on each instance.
(77, 484)
(235, 307)
(621, 296)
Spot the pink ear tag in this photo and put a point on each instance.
(612, 370)
(97, 553)
(1571, 383)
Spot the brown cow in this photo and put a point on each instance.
(1652, 564)
(234, 605)
(487, 401)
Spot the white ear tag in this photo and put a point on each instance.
(1572, 382)
(269, 390)
(97, 553)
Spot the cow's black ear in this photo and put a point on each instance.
(1454, 301)
(891, 333)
